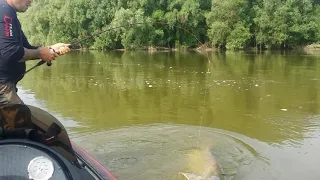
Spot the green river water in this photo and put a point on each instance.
(152, 115)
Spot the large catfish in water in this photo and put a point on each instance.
(203, 166)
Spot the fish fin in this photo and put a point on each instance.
(190, 176)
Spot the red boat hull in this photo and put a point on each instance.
(101, 171)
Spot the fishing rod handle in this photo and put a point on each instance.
(42, 62)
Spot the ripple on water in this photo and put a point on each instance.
(162, 151)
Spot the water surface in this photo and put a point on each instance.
(131, 100)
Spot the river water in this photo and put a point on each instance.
(153, 115)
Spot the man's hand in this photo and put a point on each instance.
(61, 48)
(47, 54)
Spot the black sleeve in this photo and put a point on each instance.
(26, 43)
(11, 48)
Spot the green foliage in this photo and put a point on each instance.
(239, 37)
(317, 21)
(285, 23)
(232, 24)
(223, 19)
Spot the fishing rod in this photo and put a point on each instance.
(101, 32)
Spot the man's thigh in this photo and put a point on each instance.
(8, 94)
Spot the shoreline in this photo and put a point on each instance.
(313, 47)
(151, 49)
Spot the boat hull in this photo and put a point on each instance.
(92, 164)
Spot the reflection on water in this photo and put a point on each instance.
(271, 97)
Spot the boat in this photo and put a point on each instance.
(35, 145)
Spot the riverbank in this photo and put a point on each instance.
(312, 47)
(206, 48)
(154, 49)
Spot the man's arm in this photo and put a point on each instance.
(33, 52)
(30, 52)
(43, 53)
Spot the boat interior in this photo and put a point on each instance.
(35, 145)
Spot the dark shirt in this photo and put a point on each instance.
(12, 43)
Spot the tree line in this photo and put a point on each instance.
(225, 24)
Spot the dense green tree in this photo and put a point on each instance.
(232, 24)
(226, 17)
(285, 23)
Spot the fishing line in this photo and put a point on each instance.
(132, 25)
(202, 109)
(204, 88)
